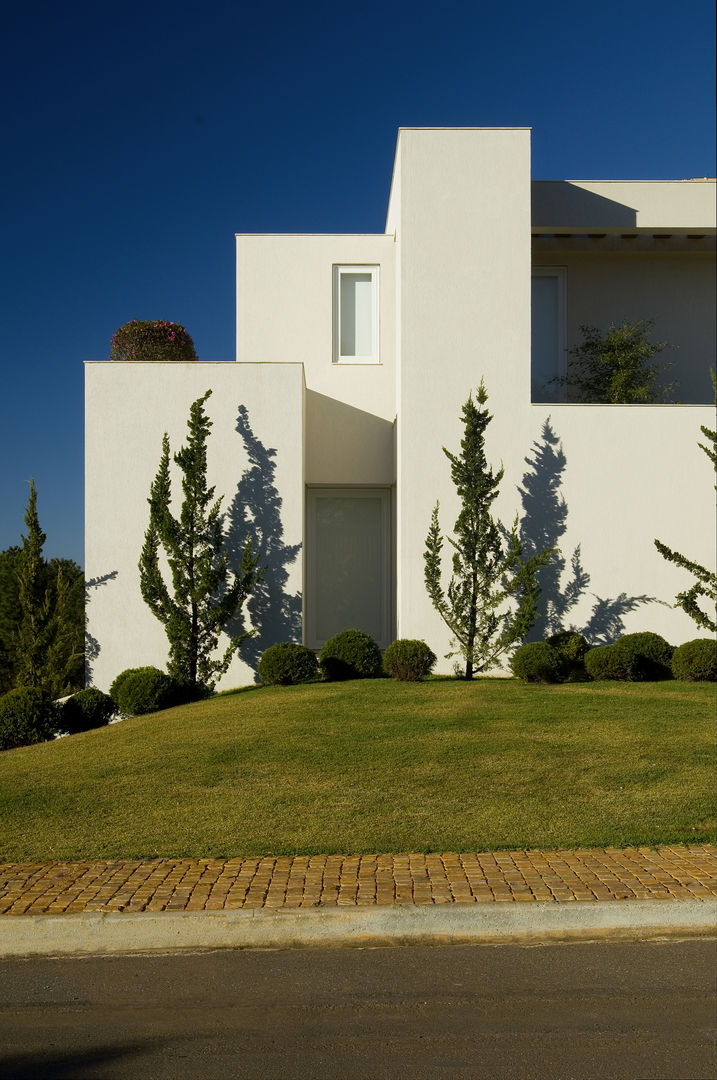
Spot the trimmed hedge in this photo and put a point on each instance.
(572, 648)
(153, 339)
(653, 654)
(352, 654)
(142, 690)
(87, 709)
(27, 716)
(696, 661)
(612, 662)
(408, 660)
(538, 661)
(286, 664)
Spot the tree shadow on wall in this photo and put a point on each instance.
(543, 524)
(92, 645)
(255, 512)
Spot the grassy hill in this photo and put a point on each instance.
(373, 766)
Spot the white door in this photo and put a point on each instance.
(348, 563)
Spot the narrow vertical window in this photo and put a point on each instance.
(548, 333)
(356, 315)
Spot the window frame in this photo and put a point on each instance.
(338, 270)
(560, 273)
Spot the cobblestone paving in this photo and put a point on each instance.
(677, 872)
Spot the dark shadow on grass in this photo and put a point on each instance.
(543, 524)
(255, 513)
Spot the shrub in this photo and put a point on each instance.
(537, 661)
(408, 660)
(350, 655)
(146, 689)
(696, 661)
(572, 648)
(116, 685)
(153, 340)
(286, 664)
(87, 709)
(653, 654)
(612, 662)
(27, 715)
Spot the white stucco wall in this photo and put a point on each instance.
(464, 249)
(630, 473)
(128, 407)
(285, 312)
(617, 205)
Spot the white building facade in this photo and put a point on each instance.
(354, 357)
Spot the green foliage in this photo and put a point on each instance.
(286, 664)
(652, 652)
(537, 662)
(705, 585)
(571, 645)
(612, 662)
(87, 709)
(632, 658)
(152, 340)
(696, 661)
(618, 368)
(408, 660)
(144, 690)
(201, 600)
(118, 682)
(488, 569)
(27, 715)
(352, 654)
(41, 615)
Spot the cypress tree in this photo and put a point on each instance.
(487, 563)
(201, 600)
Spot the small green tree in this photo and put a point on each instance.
(201, 600)
(47, 641)
(491, 599)
(617, 368)
(705, 586)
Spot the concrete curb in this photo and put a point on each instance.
(112, 933)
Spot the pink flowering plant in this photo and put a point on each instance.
(152, 340)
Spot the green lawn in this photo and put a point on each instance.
(374, 766)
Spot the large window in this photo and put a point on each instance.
(356, 315)
(548, 334)
(348, 563)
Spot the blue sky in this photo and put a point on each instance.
(139, 138)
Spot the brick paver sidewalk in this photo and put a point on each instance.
(676, 872)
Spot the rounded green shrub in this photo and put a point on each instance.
(572, 648)
(143, 690)
(408, 660)
(154, 339)
(537, 662)
(286, 664)
(27, 715)
(613, 662)
(350, 655)
(652, 652)
(696, 661)
(87, 709)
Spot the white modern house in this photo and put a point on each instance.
(354, 356)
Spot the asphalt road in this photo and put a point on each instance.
(614, 1011)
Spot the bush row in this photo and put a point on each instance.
(28, 715)
(352, 654)
(632, 658)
